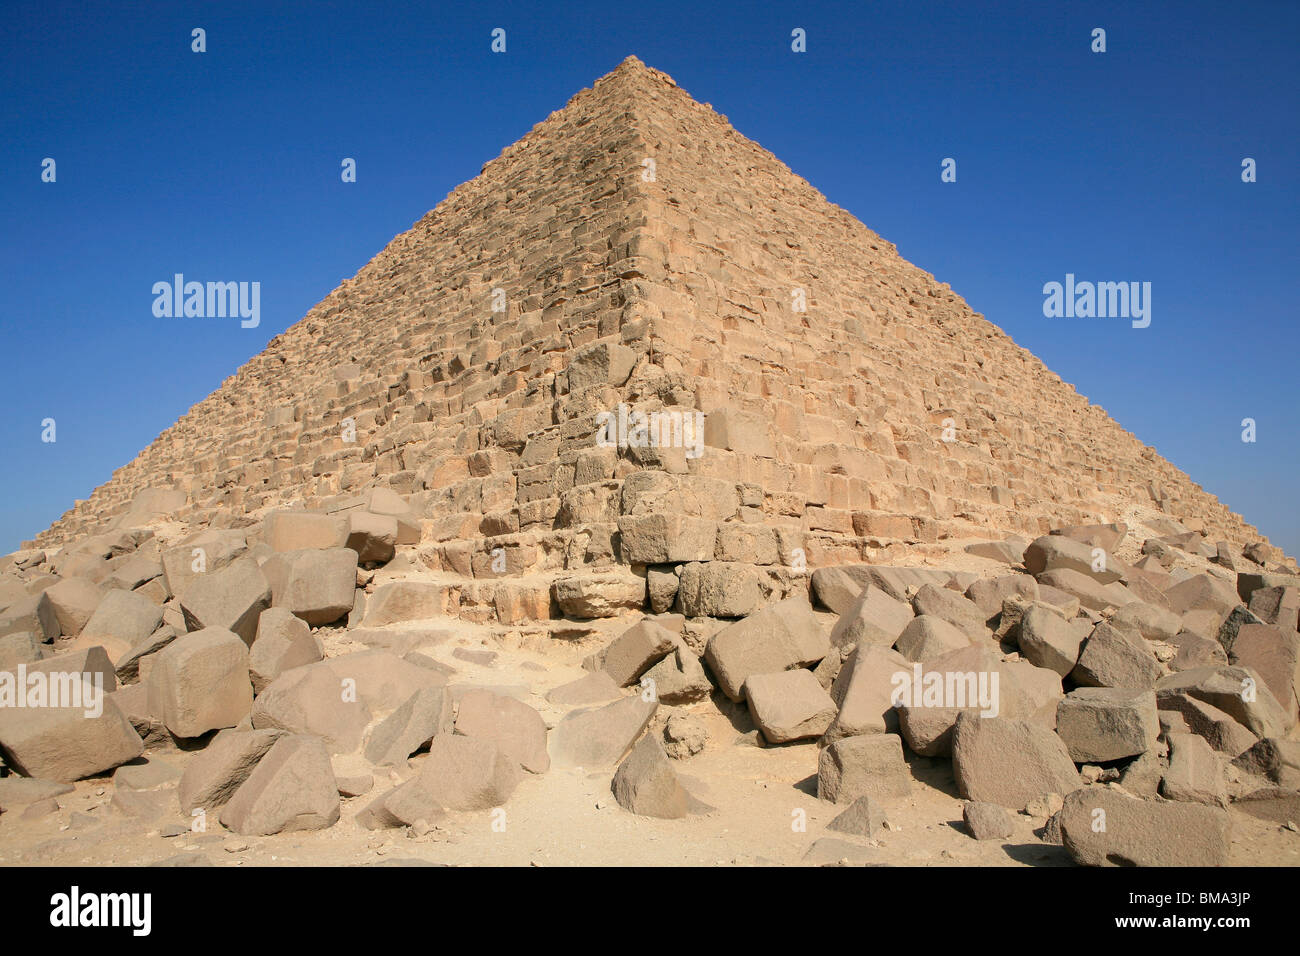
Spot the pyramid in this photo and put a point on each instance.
(540, 490)
(837, 404)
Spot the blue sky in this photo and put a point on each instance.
(225, 165)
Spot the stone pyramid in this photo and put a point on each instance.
(635, 250)
(403, 559)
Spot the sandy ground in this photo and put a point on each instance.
(765, 807)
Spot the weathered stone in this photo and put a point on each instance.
(869, 765)
(864, 817)
(373, 537)
(599, 595)
(229, 598)
(718, 589)
(19, 647)
(780, 637)
(1228, 688)
(636, 650)
(1142, 833)
(594, 688)
(1088, 592)
(1056, 552)
(957, 610)
(662, 585)
(464, 773)
(1152, 622)
(600, 736)
(1277, 605)
(1010, 551)
(1273, 758)
(665, 538)
(1114, 658)
(927, 637)
(678, 679)
(215, 773)
(124, 615)
(424, 715)
(989, 594)
(68, 743)
(864, 691)
(646, 784)
(1220, 730)
(516, 729)
(128, 664)
(1195, 774)
(1100, 724)
(283, 642)
(317, 586)
(874, 617)
(33, 614)
(406, 601)
(74, 601)
(789, 705)
(1048, 640)
(291, 788)
(199, 682)
(301, 530)
(1274, 654)
(1009, 762)
(986, 821)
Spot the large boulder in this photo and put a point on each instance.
(292, 788)
(1103, 827)
(1099, 724)
(199, 682)
(67, 743)
(1238, 691)
(789, 705)
(1009, 762)
(874, 617)
(636, 650)
(125, 615)
(230, 598)
(868, 765)
(718, 589)
(864, 691)
(927, 637)
(463, 773)
(953, 607)
(1195, 773)
(424, 715)
(284, 641)
(219, 769)
(587, 596)
(74, 601)
(780, 637)
(301, 530)
(1053, 552)
(516, 729)
(646, 784)
(317, 586)
(600, 736)
(1115, 658)
(1048, 640)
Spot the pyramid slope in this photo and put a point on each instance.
(825, 426)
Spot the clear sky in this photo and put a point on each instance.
(1115, 166)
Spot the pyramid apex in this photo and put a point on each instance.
(632, 68)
